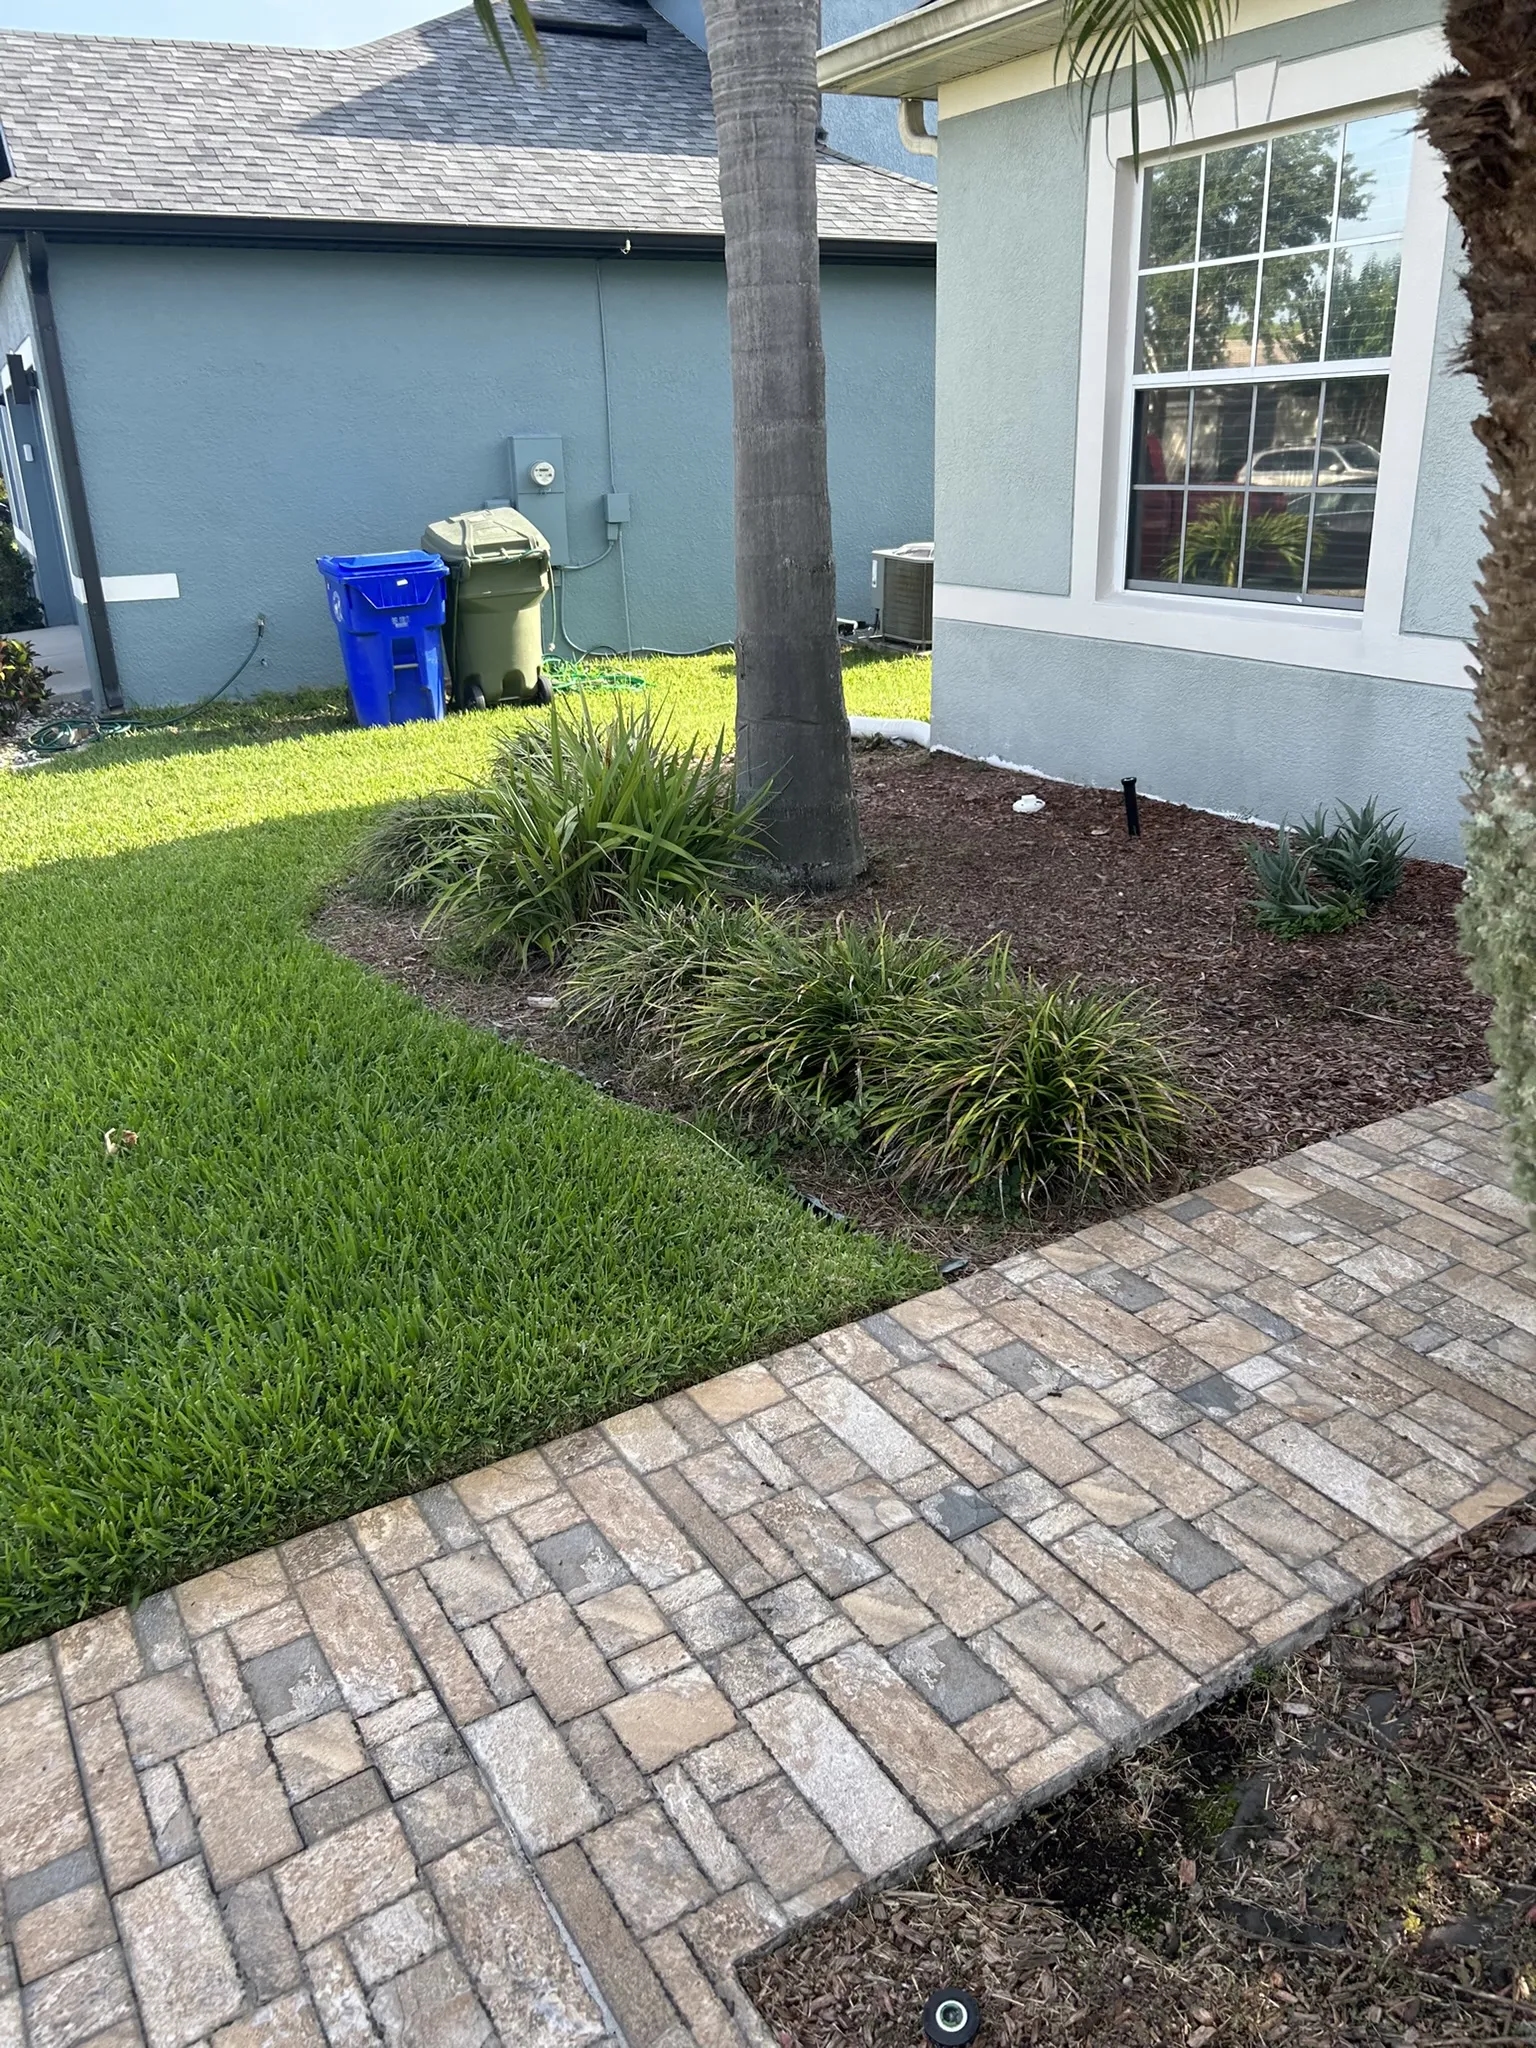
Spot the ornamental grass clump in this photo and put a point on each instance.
(416, 847)
(957, 1077)
(784, 1029)
(637, 978)
(1026, 1092)
(582, 819)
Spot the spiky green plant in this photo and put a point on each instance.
(1214, 543)
(584, 817)
(1295, 901)
(1103, 38)
(1026, 1091)
(1361, 853)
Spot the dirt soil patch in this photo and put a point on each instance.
(1344, 1852)
(1286, 1042)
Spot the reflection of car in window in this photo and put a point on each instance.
(1290, 469)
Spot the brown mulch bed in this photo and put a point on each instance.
(1342, 1853)
(1287, 1042)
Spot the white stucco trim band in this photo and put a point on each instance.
(131, 589)
(1338, 641)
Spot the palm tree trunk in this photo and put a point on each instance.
(791, 725)
(1481, 116)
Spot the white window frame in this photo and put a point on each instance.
(1264, 98)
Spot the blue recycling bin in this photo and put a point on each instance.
(389, 612)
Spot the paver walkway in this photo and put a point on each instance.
(539, 1756)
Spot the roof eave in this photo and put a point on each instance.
(67, 224)
(912, 56)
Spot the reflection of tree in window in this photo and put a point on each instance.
(1234, 199)
(1291, 308)
(1363, 313)
(1170, 211)
(1302, 179)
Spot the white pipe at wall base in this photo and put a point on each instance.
(912, 127)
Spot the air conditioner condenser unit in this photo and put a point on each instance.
(903, 585)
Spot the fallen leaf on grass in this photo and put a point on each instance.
(119, 1141)
(1187, 1872)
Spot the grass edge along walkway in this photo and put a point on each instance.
(357, 1245)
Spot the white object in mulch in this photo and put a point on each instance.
(1028, 805)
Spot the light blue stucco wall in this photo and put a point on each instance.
(242, 411)
(1256, 738)
(1245, 736)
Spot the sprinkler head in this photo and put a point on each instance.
(951, 2019)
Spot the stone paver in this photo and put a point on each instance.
(540, 1756)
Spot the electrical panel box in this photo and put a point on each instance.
(616, 507)
(538, 489)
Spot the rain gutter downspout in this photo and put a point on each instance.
(69, 464)
(912, 126)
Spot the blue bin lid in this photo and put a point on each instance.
(373, 568)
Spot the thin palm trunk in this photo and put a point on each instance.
(1481, 116)
(791, 725)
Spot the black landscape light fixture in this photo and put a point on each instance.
(951, 2019)
(1132, 808)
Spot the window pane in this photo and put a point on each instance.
(1213, 538)
(1354, 414)
(1169, 211)
(1234, 196)
(1162, 437)
(1162, 321)
(1285, 437)
(1291, 303)
(1302, 177)
(1363, 312)
(1275, 544)
(1341, 544)
(1373, 191)
(1155, 520)
(1219, 433)
(1224, 317)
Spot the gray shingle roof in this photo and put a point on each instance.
(420, 128)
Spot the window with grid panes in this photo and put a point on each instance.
(1267, 299)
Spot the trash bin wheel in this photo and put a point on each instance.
(542, 693)
(470, 696)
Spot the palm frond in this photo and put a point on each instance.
(1101, 37)
(522, 21)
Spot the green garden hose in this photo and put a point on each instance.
(64, 735)
(563, 675)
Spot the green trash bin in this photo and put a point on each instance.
(499, 564)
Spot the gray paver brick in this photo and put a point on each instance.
(345, 1875)
(951, 1678)
(501, 1928)
(183, 1973)
(623, 1972)
(874, 1821)
(648, 1871)
(264, 1948)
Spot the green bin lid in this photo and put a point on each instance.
(495, 534)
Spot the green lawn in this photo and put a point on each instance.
(358, 1245)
